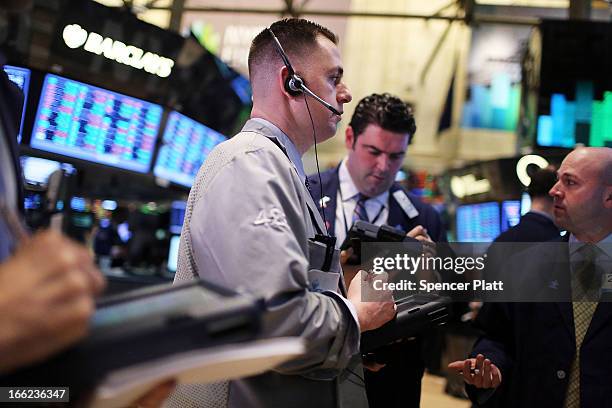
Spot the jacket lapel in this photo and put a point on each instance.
(601, 317)
(560, 258)
(567, 313)
(315, 211)
(331, 183)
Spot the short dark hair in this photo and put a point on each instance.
(384, 110)
(296, 35)
(542, 180)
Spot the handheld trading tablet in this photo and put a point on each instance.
(415, 315)
(362, 231)
(144, 325)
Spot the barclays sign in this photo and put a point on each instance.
(75, 36)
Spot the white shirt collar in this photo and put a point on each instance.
(349, 190)
(605, 245)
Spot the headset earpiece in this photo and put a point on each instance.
(293, 85)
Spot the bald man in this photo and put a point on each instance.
(556, 354)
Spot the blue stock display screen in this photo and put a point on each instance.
(95, 124)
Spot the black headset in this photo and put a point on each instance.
(294, 84)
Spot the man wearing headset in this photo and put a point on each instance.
(251, 223)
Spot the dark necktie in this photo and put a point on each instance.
(360, 212)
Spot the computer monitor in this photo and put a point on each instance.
(36, 171)
(242, 87)
(177, 215)
(511, 214)
(173, 253)
(525, 203)
(32, 200)
(20, 77)
(79, 204)
(186, 144)
(478, 222)
(583, 119)
(95, 124)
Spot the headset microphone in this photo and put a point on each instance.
(294, 84)
(321, 101)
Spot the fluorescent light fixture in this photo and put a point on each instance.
(526, 3)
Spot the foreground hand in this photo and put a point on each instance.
(46, 298)
(349, 271)
(374, 307)
(373, 366)
(156, 396)
(479, 372)
(475, 307)
(420, 233)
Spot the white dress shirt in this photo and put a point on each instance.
(376, 207)
(603, 256)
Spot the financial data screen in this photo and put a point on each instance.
(511, 214)
(91, 123)
(20, 77)
(173, 253)
(186, 144)
(177, 215)
(478, 222)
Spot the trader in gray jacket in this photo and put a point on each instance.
(251, 223)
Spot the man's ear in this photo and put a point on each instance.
(349, 140)
(281, 78)
(607, 198)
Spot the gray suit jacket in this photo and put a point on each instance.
(247, 227)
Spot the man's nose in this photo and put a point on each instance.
(555, 191)
(344, 94)
(383, 162)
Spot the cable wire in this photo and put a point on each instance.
(314, 136)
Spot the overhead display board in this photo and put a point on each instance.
(185, 145)
(90, 123)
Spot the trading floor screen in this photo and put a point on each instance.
(91, 123)
(478, 222)
(186, 144)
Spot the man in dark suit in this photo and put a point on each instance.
(363, 187)
(553, 349)
(537, 225)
